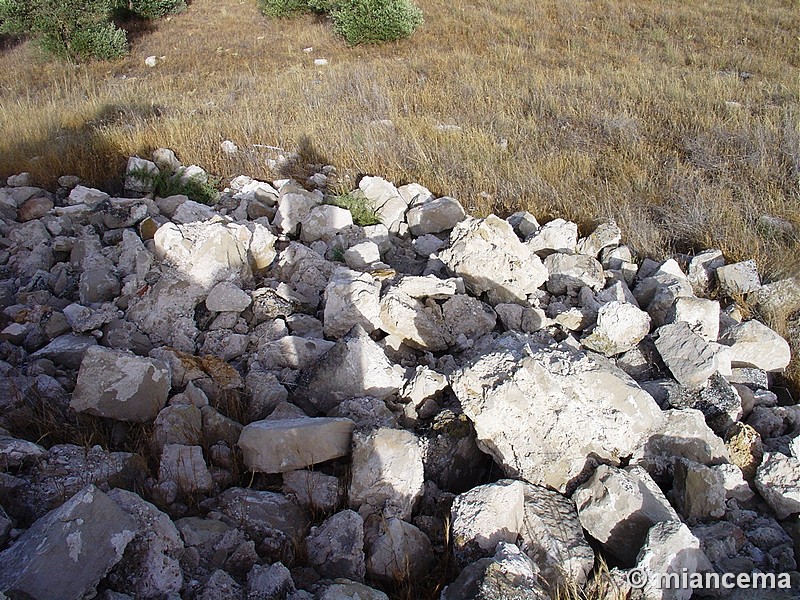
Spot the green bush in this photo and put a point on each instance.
(153, 9)
(363, 213)
(280, 9)
(374, 21)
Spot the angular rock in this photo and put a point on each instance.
(66, 553)
(563, 403)
(313, 490)
(556, 236)
(469, 317)
(349, 590)
(66, 350)
(435, 216)
(289, 444)
(351, 298)
(778, 482)
(272, 581)
(702, 268)
(605, 235)
(490, 258)
(387, 472)
(304, 270)
(227, 297)
(140, 174)
(185, 467)
(486, 515)
(399, 552)
(384, 198)
(34, 208)
(738, 278)
(150, 567)
(570, 272)
(419, 325)
(324, 222)
(120, 385)
(753, 344)
(265, 393)
(221, 585)
(354, 368)
(689, 357)
(430, 286)
(336, 548)
(294, 352)
(698, 491)
(553, 538)
(670, 550)
(361, 256)
(294, 203)
(617, 507)
(745, 448)
(620, 327)
(682, 434)
(701, 314)
(178, 424)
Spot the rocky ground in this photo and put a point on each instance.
(262, 399)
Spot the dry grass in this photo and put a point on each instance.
(681, 120)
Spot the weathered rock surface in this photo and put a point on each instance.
(778, 482)
(398, 552)
(753, 344)
(351, 298)
(620, 326)
(336, 548)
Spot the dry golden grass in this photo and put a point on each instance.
(681, 120)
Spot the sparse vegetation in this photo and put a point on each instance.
(362, 213)
(196, 188)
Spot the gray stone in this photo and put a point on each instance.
(698, 491)
(336, 548)
(735, 485)
(570, 272)
(139, 175)
(221, 585)
(689, 357)
(150, 567)
(484, 516)
(553, 538)
(227, 297)
(265, 393)
(224, 344)
(387, 472)
(524, 223)
(16, 452)
(426, 245)
(620, 327)
(83, 319)
(304, 270)
(491, 259)
(738, 278)
(354, 368)
(66, 553)
(313, 490)
(189, 211)
(294, 352)
(367, 413)
(435, 216)
(185, 467)
(702, 268)
(85, 195)
(753, 344)
(178, 424)
(265, 582)
(361, 256)
(98, 284)
(777, 481)
(399, 552)
(349, 590)
(289, 444)
(545, 413)
(351, 298)
(468, 316)
(66, 350)
(617, 507)
(120, 385)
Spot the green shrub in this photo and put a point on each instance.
(153, 9)
(373, 21)
(363, 213)
(280, 9)
(165, 184)
(72, 29)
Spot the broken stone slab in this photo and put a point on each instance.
(399, 552)
(367, 413)
(570, 272)
(304, 270)
(324, 222)
(289, 444)
(336, 547)
(738, 278)
(485, 516)
(351, 298)
(354, 368)
(617, 507)
(682, 434)
(670, 550)
(491, 259)
(509, 575)
(689, 357)
(83, 319)
(66, 350)
(294, 203)
(425, 384)
(227, 297)
(85, 195)
(553, 538)
(698, 491)
(65, 554)
(777, 480)
(430, 286)
(120, 385)
(620, 327)
(435, 216)
(546, 413)
(150, 567)
(557, 235)
(753, 344)
(702, 268)
(387, 472)
(185, 467)
(419, 325)
(701, 314)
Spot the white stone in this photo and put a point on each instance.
(420, 325)
(620, 326)
(570, 272)
(361, 256)
(229, 147)
(384, 198)
(426, 383)
(606, 234)
(190, 211)
(387, 472)
(702, 268)
(294, 203)
(324, 222)
(698, 491)
(398, 553)
(435, 216)
(351, 298)
(778, 482)
(556, 236)
(227, 297)
(753, 344)
(430, 286)
(139, 175)
(542, 411)
(485, 516)
(289, 444)
(294, 352)
(701, 314)
(738, 278)
(87, 196)
(617, 507)
(689, 357)
(120, 385)
(491, 259)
